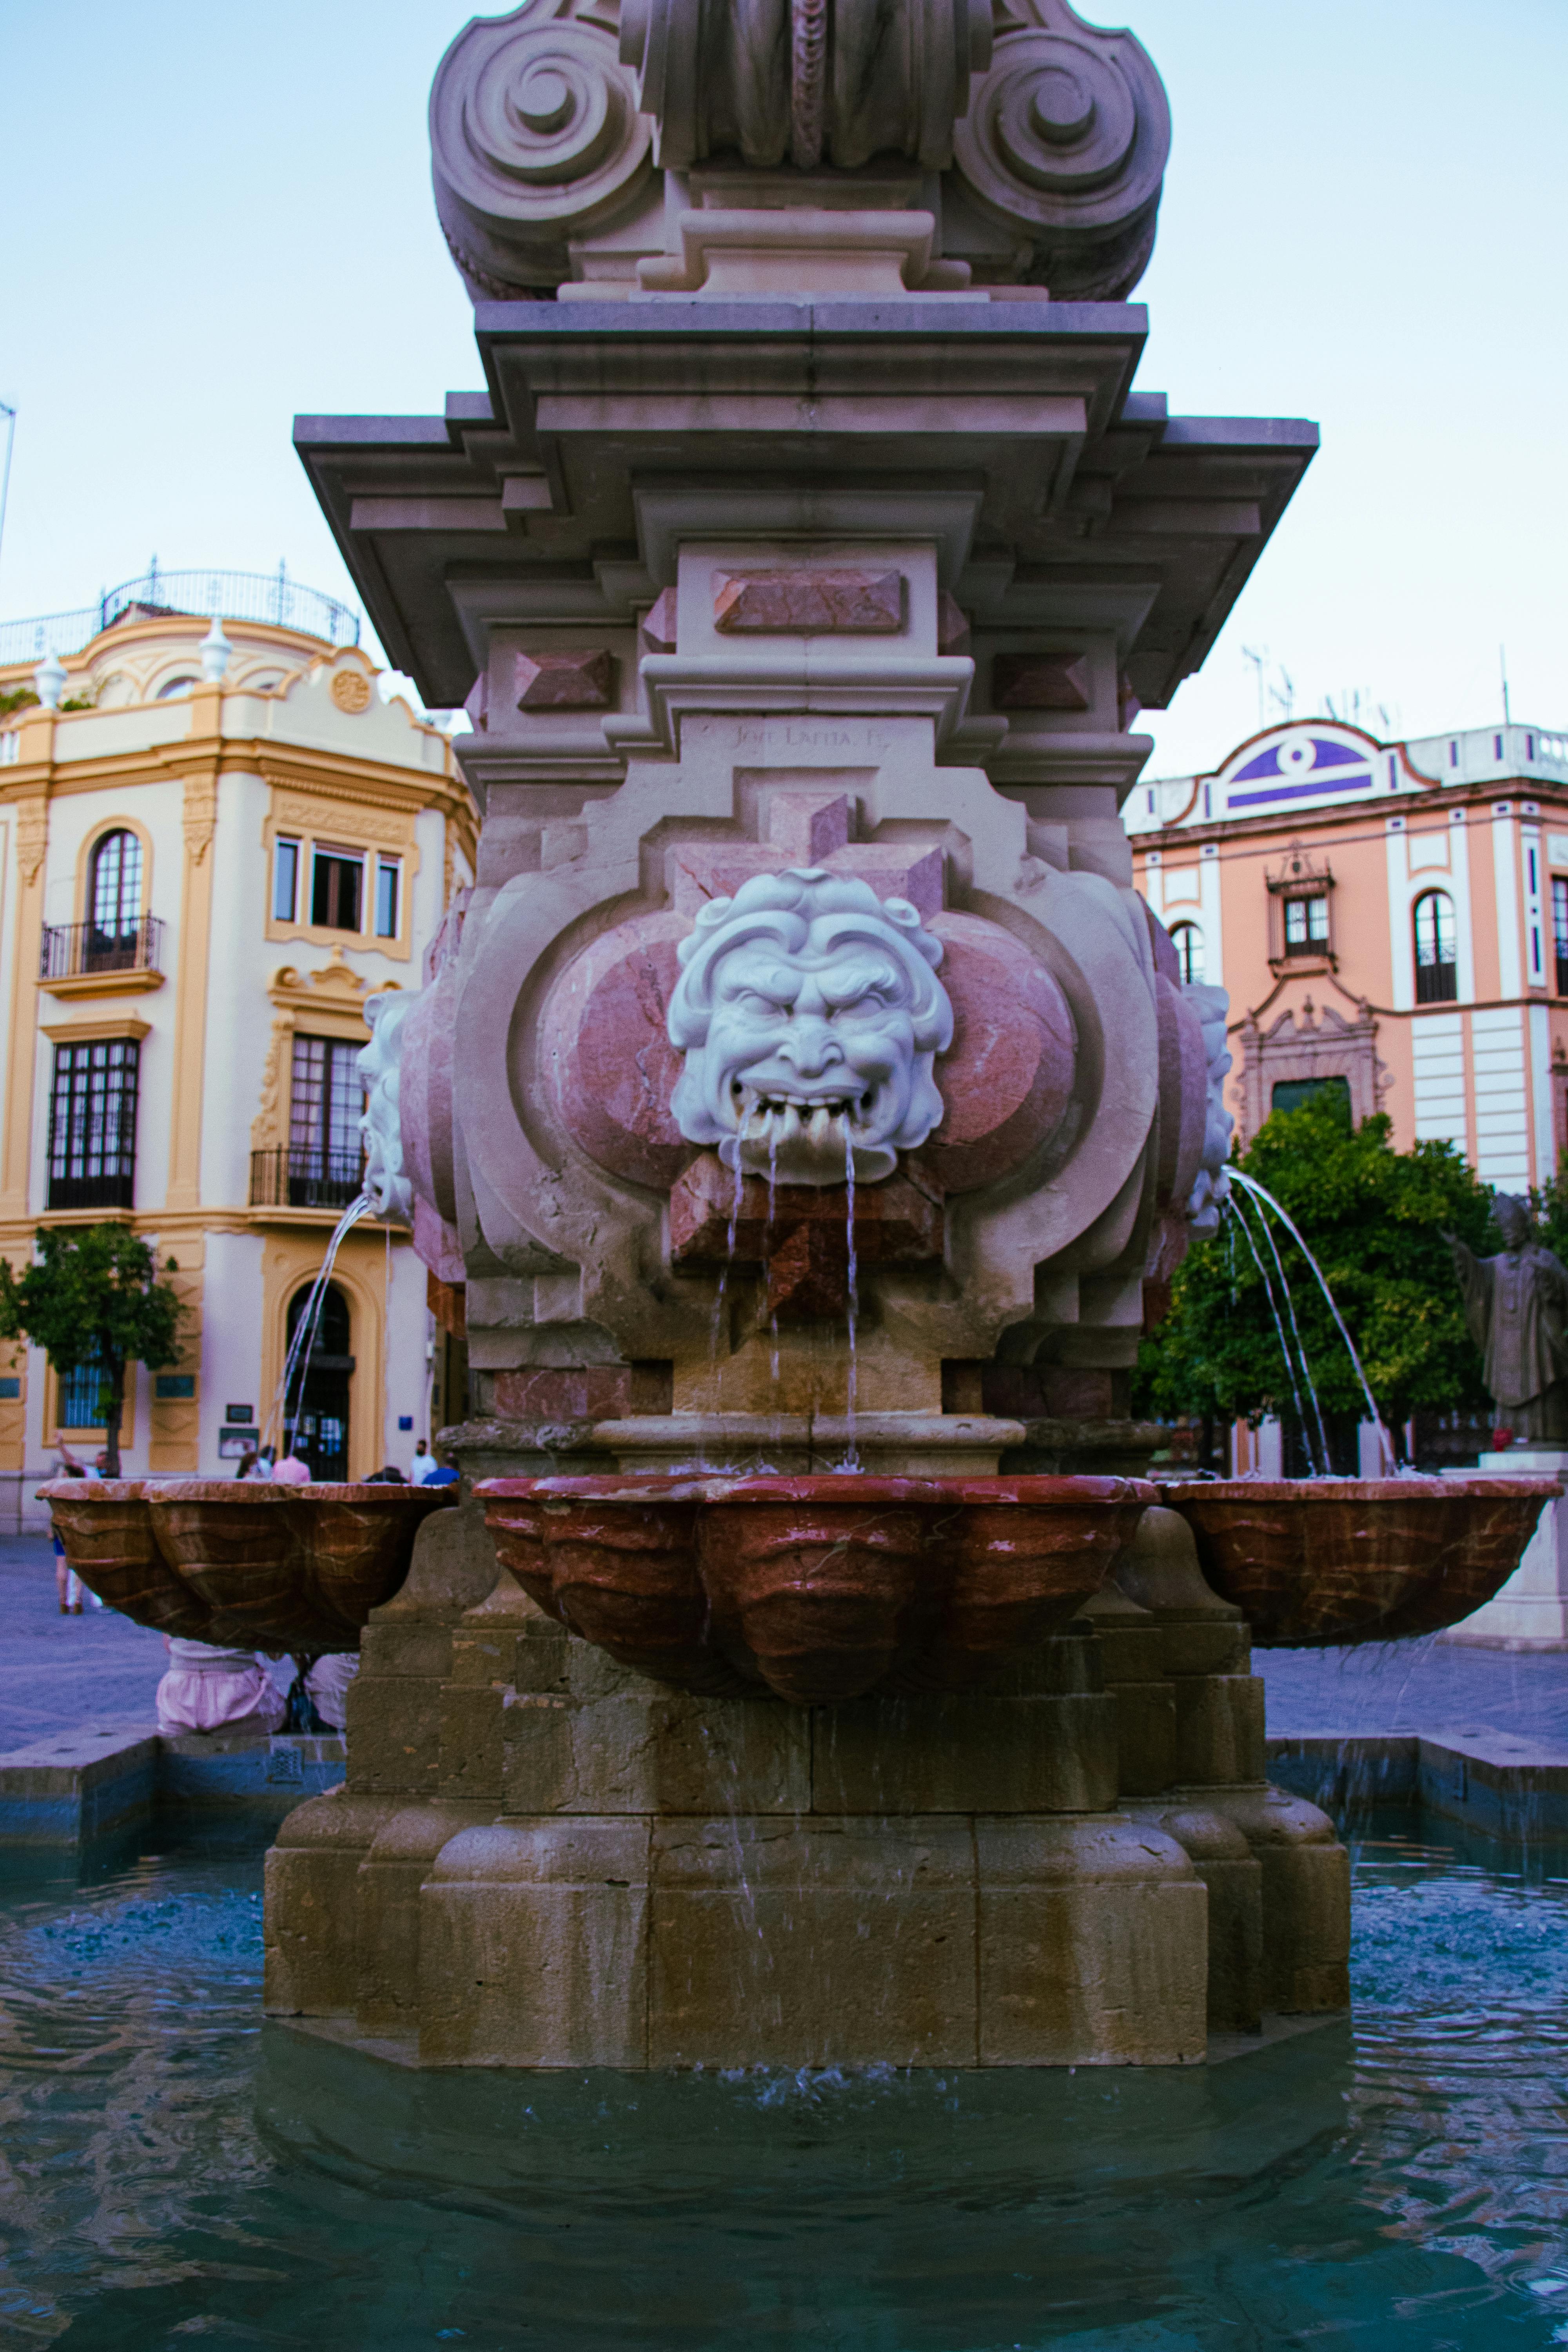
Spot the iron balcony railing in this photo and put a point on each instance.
(73, 950)
(296, 1176)
(270, 596)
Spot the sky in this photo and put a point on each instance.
(211, 218)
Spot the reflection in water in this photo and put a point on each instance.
(172, 2170)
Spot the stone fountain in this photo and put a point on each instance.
(801, 1101)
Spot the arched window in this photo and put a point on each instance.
(1436, 955)
(1188, 943)
(114, 902)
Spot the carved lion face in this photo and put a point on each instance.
(810, 1015)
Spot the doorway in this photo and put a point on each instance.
(319, 1429)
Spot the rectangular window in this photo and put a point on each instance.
(325, 1155)
(285, 880)
(388, 874)
(336, 882)
(92, 1126)
(1306, 925)
(81, 1398)
(1560, 929)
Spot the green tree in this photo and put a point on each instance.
(92, 1295)
(1373, 1218)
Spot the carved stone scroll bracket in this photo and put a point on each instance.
(1064, 146)
(535, 139)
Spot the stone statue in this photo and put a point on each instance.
(810, 1015)
(379, 1068)
(1212, 1189)
(1517, 1308)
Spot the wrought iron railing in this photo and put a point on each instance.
(73, 950)
(292, 1177)
(269, 596)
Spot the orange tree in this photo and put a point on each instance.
(1373, 1218)
(91, 1296)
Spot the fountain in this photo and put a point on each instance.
(807, 1103)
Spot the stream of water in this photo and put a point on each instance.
(175, 2171)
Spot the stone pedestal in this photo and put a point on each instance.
(563, 1864)
(1531, 1612)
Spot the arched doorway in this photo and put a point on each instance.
(319, 1425)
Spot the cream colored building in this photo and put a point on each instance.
(206, 869)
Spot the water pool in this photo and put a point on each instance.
(172, 2171)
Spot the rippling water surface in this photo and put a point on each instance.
(171, 2171)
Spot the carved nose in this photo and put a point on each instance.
(811, 1047)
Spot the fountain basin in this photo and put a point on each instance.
(242, 1564)
(1339, 1560)
(817, 1589)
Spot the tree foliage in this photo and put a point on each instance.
(92, 1295)
(1373, 1218)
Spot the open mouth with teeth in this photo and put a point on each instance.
(804, 1138)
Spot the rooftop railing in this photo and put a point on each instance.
(269, 596)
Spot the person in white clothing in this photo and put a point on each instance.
(207, 1688)
(328, 1683)
(424, 1466)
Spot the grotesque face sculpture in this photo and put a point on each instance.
(810, 1015)
(378, 1066)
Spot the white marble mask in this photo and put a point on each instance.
(810, 1015)
(379, 1066)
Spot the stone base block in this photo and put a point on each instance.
(645, 1750)
(959, 1755)
(533, 1946)
(1306, 1896)
(386, 1911)
(1219, 1730)
(1225, 1864)
(763, 1940)
(312, 1962)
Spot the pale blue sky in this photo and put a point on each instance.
(213, 216)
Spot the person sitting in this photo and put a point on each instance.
(247, 1465)
(389, 1475)
(291, 1471)
(328, 1682)
(444, 1477)
(207, 1688)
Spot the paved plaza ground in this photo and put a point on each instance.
(98, 1671)
(93, 1673)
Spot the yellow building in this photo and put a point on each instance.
(217, 840)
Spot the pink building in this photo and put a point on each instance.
(1391, 919)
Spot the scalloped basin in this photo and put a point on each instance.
(1330, 1561)
(242, 1564)
(818, 1589)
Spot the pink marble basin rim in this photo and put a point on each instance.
(817, 1589)
(242, 1563)
(1330, 1562)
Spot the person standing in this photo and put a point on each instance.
(424, 1466)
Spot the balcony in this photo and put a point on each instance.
(81, 960)
(299, 1177)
